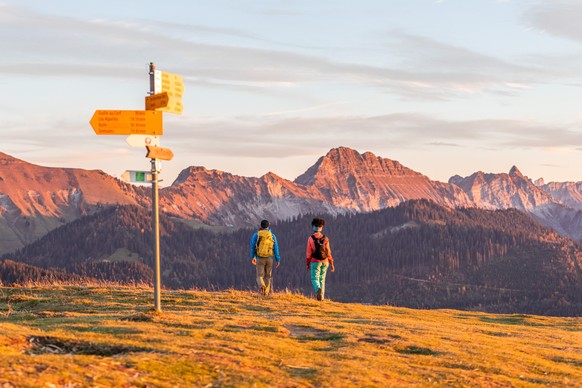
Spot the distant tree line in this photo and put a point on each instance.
(417, 254)
(15, 273)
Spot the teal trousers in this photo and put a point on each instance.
(318, 273)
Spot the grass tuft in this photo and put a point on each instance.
(139, 317)
(53, 345)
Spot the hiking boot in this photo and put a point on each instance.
(320, 294)
(263, 290)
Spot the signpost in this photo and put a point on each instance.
(127, 122)
(167, 82)
(137, 176)
(163, 102)
(171, 87)
(159, 153)
(144, 128)
(166, 91)
(142, 140)
(157, 101)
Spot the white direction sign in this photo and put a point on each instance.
(142, 140)
(173, 84)
(137, 176)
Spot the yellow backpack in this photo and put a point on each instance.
(265, 243)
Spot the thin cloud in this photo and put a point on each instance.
(442, 144)
(259, 136)
(424, 72)
(303, 110)
(558, 17)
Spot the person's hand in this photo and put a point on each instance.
(332, 268)
(254, 261)
(278, 264)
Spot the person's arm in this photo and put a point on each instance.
(309, 251)
(330, 258)
(254, 245)
(276, 248)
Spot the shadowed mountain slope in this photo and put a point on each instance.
(417, 254)
(514, 190)
(36, 199)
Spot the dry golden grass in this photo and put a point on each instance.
(110, 336)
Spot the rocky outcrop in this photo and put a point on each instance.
(340, 182)
(36, 199)
(226, 199)
(514, 190)
(503, 191)
(567, 193)
(365, 182)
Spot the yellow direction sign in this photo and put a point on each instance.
(163, 102)
(159, 153)
(167, 82)
(127, 122)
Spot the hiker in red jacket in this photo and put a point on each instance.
(318, 257)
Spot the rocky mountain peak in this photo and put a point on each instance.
(188, 174)
(341, 162)
(501, 191)
(272, 177)
(456, 179)
(346, 178)
(514, 172)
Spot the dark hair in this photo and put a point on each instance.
(264, 224)
(319, 222)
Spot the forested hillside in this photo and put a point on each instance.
(418, 254)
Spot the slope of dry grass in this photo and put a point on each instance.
(105, 336)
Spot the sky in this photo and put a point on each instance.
(445, 87)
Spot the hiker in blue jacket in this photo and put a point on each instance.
(264, 248)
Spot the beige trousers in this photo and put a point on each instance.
(264, 272)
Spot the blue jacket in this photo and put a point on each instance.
(254, 246)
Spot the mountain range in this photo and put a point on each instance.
(36, 199)
(495, 242)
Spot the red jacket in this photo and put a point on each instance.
(311, 248)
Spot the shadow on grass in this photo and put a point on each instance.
(509, 320)
(568, 361)
(53, 345)
(322, 337)
(418, 350)
(307, 333)
(304, 372)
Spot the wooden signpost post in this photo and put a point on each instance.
(144, 128)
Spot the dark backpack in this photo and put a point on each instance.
(321, 251)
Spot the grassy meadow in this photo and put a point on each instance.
(110, 336)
